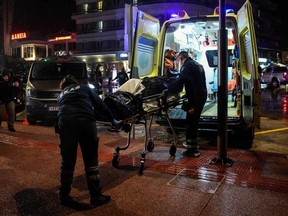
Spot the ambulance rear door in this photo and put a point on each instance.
(145, 58)
(248, 66)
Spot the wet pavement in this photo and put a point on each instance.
(255, 184)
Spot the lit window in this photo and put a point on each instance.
(100, 23)
(85, 8)
(28, 52)
(100, 5)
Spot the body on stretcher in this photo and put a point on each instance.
(154, 105)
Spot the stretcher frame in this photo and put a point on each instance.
(163, 105)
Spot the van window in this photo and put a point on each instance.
(56, 71)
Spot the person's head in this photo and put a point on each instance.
(67, 80)
(183, 55)
(5, 74)
(170, 54)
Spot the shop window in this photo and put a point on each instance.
(28, 52)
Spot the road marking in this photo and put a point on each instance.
(271, 131)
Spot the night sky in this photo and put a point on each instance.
(46, 16)
(50, 16)
(281, 12)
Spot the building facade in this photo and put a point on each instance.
(6, 21)
(103, 36)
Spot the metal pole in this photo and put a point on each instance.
(222, 90)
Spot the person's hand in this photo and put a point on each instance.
(164, 94)
(16, 84)
(115, 125)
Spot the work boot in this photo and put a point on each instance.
(99, 199)
(188, 153)
(64, 197)
(69, 202)
(190, 143)
(192, 149)
(66, 200)
(11, 129)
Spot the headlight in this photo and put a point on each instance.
(30, 92)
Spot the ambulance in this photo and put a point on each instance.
(199, 36)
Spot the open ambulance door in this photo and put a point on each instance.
(145, 48)
(250, 97)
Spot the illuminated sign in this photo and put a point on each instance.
(123, 55)
(61, 38)
(20, 35)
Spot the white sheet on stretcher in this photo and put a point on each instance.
(133, 86)
(153, 105)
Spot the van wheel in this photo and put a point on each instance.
(31, 121)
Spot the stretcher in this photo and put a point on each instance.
(155, 105)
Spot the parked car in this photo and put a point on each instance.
(42, 88)
(275, 75)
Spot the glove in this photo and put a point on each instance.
(163, 96)
(115, 125)
(164, 93)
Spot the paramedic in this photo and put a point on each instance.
(78, 106)
(192, 77)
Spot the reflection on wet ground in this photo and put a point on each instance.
(263, 166)
(274, 104)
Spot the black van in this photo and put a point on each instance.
(42, 87)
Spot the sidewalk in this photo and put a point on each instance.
(256, 184)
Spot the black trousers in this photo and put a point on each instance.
(10, 109)
(82, 131)
(192, 120)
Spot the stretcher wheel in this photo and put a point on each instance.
(172, 150)
(150, 145)
(115, 160)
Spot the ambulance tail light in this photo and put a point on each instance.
(182, 14)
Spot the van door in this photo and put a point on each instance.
(146, 46)
(249, 66)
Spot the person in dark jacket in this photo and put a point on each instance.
(7, 96)
(122, 77)
(192, 77)
(79, 105)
